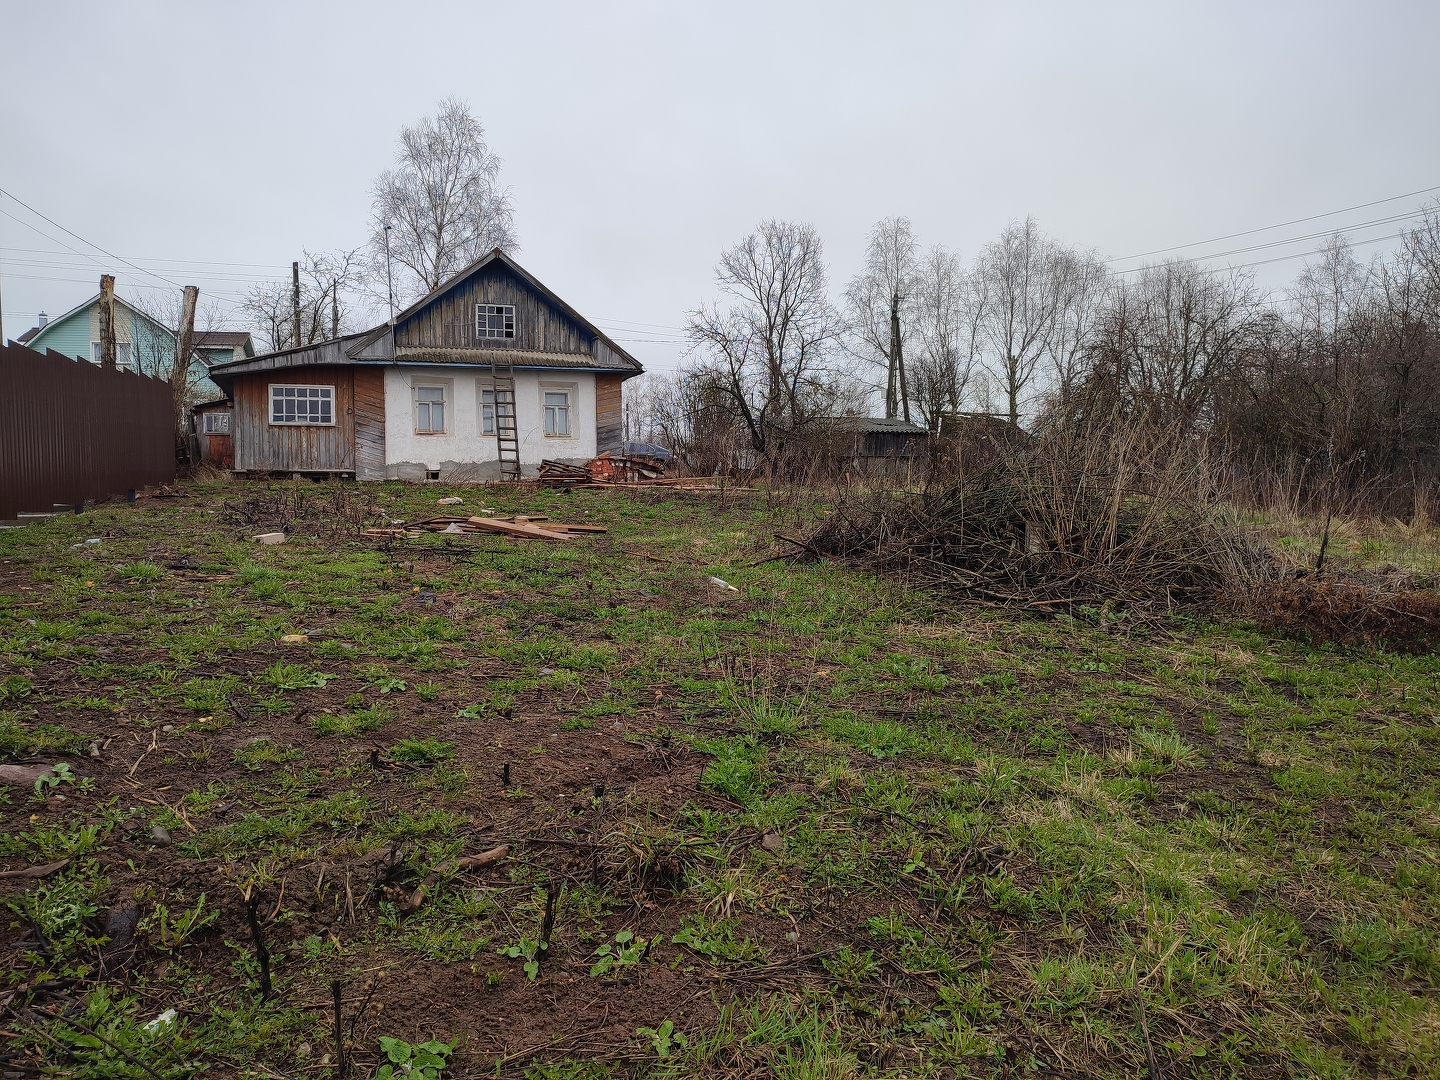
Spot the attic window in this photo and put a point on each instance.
(494, 320)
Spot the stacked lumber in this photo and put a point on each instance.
(533, 527)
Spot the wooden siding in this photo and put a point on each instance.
(607, 414)
(369, 424)
(263, 447)
(449, 321)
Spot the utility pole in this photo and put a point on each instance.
(107, 321)
(389, 281)
(295, 299)
(180, 373)
(335, 310)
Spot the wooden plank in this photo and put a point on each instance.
(369, 424)
(608, 428)
(510, 528)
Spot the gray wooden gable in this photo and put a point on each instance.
(441, 327)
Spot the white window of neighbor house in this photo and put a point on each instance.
(217, 423)
(302, 405)
(557, 413)
(122, 353)
(430, 410)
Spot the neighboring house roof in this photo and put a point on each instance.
(377, 345)
(870, 425)
(210, 404)
(28, 334)
(222, 339)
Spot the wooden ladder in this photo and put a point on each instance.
(507, 435)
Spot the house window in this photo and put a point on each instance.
(557, 413)
(487, 412)
(430, 410)
(302, 404)
(494, 321)
(122, 353)
(216, 423)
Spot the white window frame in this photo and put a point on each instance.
(504, 312)
(328, 395)
(485, 421)
(216, 423)
(422, 406)
(570, 390)
(122, 353)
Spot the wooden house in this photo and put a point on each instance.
(490, 373)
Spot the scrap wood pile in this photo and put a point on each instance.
(610, 471)
(1075, 517)
(605, 469)
(534, 527)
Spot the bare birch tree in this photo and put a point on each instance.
(1017, 274)
(878, 299)
(947, 313)
(766, 348)
(443, 200)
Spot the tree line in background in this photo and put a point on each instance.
(1325, 390)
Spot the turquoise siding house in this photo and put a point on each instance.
(140, 342)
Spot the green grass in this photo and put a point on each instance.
(859, 833)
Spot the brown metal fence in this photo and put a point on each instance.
(71, 431)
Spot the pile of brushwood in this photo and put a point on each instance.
(1347, 608)
(1073, 516)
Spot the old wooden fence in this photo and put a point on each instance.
(71, 431)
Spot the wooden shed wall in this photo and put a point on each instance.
(263, 447)
(449, 322)
(607, 414)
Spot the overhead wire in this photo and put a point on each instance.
(1281, 225)
(90, 243)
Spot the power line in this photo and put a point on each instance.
(147, 259)
(1281, 225)
(1299, 239)
(91, 243)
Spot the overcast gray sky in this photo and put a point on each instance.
(211, 143)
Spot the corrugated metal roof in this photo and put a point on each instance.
(413, 354)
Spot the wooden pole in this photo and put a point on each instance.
(335, 310)
(107, 321)
(180, 373)
(295, 299)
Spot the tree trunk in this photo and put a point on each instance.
(891, 402)
(180, 373)
(107, 321)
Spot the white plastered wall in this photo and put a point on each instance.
(462, 452)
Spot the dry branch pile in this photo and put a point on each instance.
(1346, 609)
(1105, 516)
